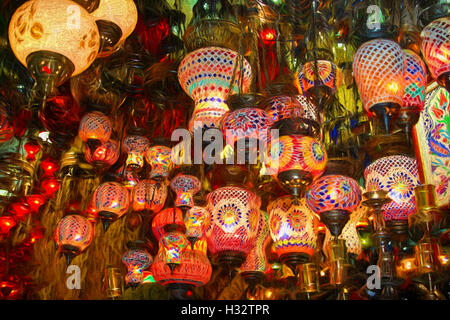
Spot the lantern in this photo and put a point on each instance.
(296, 161)
(173, 244)
(73, 235)
(167, 219)
(95, 129)
(435, 46)
(116, 20)
(135, 146)
(398, 176)
(55, 39)
(334, 198)
(149, 196)
(234, 214)
(196, 220)
(159, 157)
(111, 201)
(293, 228)
(209, 75)
(136, 260)
(185, 186)
(378, 68)
(105, 154)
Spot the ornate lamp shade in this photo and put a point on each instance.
(95, 129)
(234, 220)
(297, 110)
(207, 76)
(104, 155)
(136, 261)
(116, 20)
(185, 186)
(73, 235)
(6, 129)
(196, 221)
(55, 39)
(149, 196)
(334, 197)
(435, 47)
(170, 218)
(296, 161)
(111, 200)
(378, 68)
(397, 175)
(173, 244)
(293, 228)
(135, 146)
(160, 159)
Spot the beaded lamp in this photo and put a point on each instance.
(111, 200)
(135, 146)
(149, 196)
(95, 128)
(160, 159)
(185, 186)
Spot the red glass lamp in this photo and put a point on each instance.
(149, 196)
(196, 221)
(160, 159)
(95, 129)
(185, 186)
(167, 220)
(135, 146)
(111, 200)
(136, 260)
(106, 154)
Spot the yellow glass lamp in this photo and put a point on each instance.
(54, 39)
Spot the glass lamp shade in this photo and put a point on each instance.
(293, 228)
(378, 68)
(435, 47)
(397, 175)
(111, 200)
(206, 75)
(173, 244)
(234, 218)
(73, 234)
(106, 154)
(135, 146)
(6, 128)
(160, 159)
(149, 195)
(415, 81)
(55, 39)
(136, 260)
(166, 217)
(116, 20)
(196, 221)
(95, 128)
(185, 186)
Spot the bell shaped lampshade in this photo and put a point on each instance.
(95, 128)
(234, 218)
(397, 175)
(111, 200)
(170, 218)
(136, 261)
(135, 146)
(6, 128)
(196, 221)
(334, 198)
(116, 20)
(435, 47)
(54, 39)
(149, 196)
(104, 155)
(293, 228)
(185, 186)
(73, 235)
(296, 161)
(208, 76)
(378, 69)
(160, 159)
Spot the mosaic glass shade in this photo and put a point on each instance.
(135, 146)
(234, 220)
(378, 68)
(295, 152)
(435, 46)
(173, 244)
(160, 159)
(49, 25)
(136, 260)
(333, 192)
(74, 231)
(111, 197)
(196, 220)
(6, 129)
(107, 153)
(293, 226)
(397, 175)
(329, 76)
(415, 81)
(166, 217)
(95, 126)
(185, 186)
(287, 107)
(206, 75)
(149, 195)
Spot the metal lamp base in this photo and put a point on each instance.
(295, 181)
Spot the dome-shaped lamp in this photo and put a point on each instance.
(160, 159)
(378, 68)
(135, 147)
(209, 75)
(95, 128)
(196, 221)
(111, 200)
(73, 235)
(136, 260)
(149, 196)
(185, 186)
(54, 39)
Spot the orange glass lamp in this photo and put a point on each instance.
(73, 235)
(378, 69)
(111, 200)
(135, 147)
(185, 186)
(95, 129)
(116, 20)
(170, 219)
(136, 260)
(54, 39)
(293, 228)
(435, 47)
(149, 196)
(196, 220)
(105, 154)
(160, 159)
(209, 75)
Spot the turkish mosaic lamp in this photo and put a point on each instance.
(149, 196)
(136, 261)
(196, 221)
(95, 128)
(135, 147)
(160, 159)
(185, 186)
